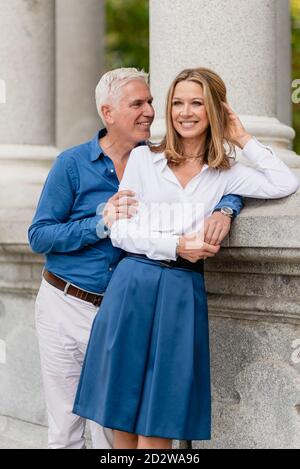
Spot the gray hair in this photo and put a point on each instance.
(108, 88)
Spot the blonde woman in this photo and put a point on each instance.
(146, 373)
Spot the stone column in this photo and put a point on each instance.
(27, 67)
(27, 148)
(27, 126)
(247, 43)
(48, 73)
(79, 65)
(253, 284)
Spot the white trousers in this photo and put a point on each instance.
(63, 325)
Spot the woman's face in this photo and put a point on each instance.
(189, 115)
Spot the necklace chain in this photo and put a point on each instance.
(191, 159)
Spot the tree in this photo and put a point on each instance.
(127, 34)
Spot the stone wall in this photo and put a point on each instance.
(254, 305)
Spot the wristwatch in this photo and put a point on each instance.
(226, 211)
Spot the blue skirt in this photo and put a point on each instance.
(146, 369)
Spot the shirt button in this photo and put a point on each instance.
(112, 170)
(110, 269)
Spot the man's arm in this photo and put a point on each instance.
(235, 202)
(51, 229)
(217, 226)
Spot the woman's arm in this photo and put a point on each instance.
(270, 179)
(129, 234)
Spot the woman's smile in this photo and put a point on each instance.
(188, 124)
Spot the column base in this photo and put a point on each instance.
(23, 170)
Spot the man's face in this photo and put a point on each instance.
(133, 114)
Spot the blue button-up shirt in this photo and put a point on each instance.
(64, 227)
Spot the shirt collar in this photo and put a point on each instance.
(96, 150)
(158, 157)
(161, 157)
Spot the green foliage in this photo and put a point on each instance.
(295, 11)
(127, 34)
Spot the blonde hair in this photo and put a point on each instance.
(110, 84)
(214, 92)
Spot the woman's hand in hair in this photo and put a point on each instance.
(236, 132)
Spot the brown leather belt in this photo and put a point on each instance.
(69, 289)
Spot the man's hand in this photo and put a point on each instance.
(216, 228)
(121, 205)
(192, 250)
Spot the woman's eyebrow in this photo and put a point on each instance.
(192, 99)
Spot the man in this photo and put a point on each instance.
(80, 259)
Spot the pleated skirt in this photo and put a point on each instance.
(147, 369)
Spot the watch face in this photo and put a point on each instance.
(227, 211)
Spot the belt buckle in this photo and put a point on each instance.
(166, 264)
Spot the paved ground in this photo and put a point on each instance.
(15, 434)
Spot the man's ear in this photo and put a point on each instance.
(107, 113)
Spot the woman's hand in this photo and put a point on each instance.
(236, 132)
(192, 248)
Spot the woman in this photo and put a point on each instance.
(146, 372)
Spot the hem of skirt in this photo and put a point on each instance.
(123, 428)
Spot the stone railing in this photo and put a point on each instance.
(254, 303)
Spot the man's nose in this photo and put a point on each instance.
(149, 110)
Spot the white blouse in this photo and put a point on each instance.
(167, 210)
